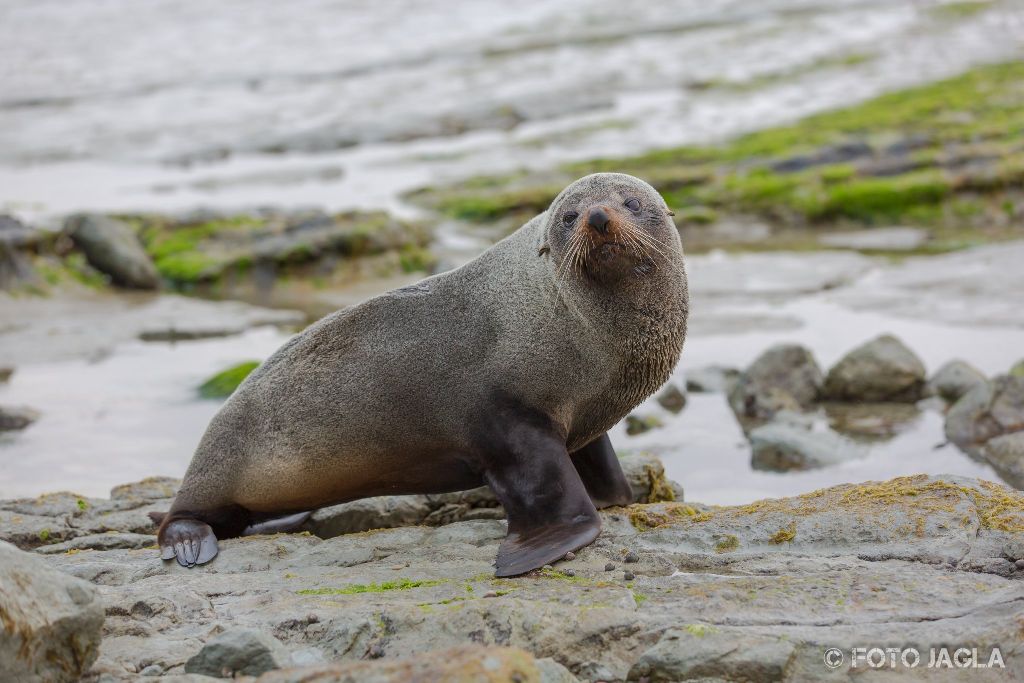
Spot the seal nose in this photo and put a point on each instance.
(598, 220)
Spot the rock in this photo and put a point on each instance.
(17, 241)
(631, 557)
(871, 421)
(463, 664)
(628, 575)
(672, 399)
(985, 412)
(1006, 455)
(149, 489)
(877, 239)
(707, 652)
(106, 541)
(712, 379)
(16, 417)
(1014, 550)
(609, 567)
(5, 374)
(111, 247)
(842, 566)
(238, 651)
(784, 446)
(785, 377)
(638, 424)
(953, 380)
(50, 623)
(880, 370)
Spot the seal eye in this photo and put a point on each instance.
(633, 205)
(569, 217)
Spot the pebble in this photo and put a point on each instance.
(570, 555)
(1020, 563)
(547, 566)
(569, 572)
(628, 576)
(609, 567)
(152, 670)
(631, 557)
(490, 594)
(398, 567)
(312, 618)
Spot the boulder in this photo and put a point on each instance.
(987, 411)
(462, 664)
(781, 446)
(712, 379)
(883, 369)
(953, 380)
(1006, 455)
(238, 652)
(111, 247)
(671, 398)
(638, 424)
(50, 622)
(785, 377)
(16, 417)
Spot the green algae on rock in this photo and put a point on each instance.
(226, 381)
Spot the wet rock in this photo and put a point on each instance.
(871, 421)
(463, 664)
(785, 377)
(238, 651)
(1006, 455)
(883, 369)
(707, 652)
(877, 239)
(111, 247)
(13, 418)
(638, 424)
(16, 242)
(5, 373)
(712, 379)
(783, 446)
(50, 623)
(953, 380)
(672, 398)
(985, 412)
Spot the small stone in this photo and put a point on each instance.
(547, 567)
(609, 567)
(491, 594)
(312, 618)
(628, 576)
(631, 557)
(570, 556)
(376, 651)
(672, 399)
(569, 572)
(638, 424)
(398, 567)
(242, 651)
(1019, 563)
(16, 417)
(152, 670)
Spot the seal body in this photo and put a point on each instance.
(507, 371)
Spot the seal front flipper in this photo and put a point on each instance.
(189, 541)
(599, 468)
(549, 511)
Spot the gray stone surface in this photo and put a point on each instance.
(1006, 455)
(112, 247)
(50, 623)
(953, 380)
(238, 651)
(877, 239)
(883, 369)
(781, 446)
(785, 377)
(987, 411)
(919, 558)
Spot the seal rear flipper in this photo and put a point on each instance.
(277, 525)
(189, 541)
(599, 468)
(549, 510)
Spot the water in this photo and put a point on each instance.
(119, 105)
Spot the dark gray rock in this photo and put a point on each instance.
(987, 411)
(1006, 455)
(883, 369)
(953, 380)
(781, 446)
(50, 623)
(111, 247)
(238, 651)
(707, 652)
(712, 379)
(638, 424)
(5, 374)
(672, 398)
(785, 377)
(13, 418)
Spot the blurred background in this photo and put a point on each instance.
(184, 185)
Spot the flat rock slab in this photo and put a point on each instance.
(877, 239)
(913, 561)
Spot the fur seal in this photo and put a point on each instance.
(507, 371)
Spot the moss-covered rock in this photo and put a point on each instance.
(224, 383)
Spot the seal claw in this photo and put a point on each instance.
(188, 541)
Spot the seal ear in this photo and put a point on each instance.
(544, 249)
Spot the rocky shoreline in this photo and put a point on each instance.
(669, 591)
